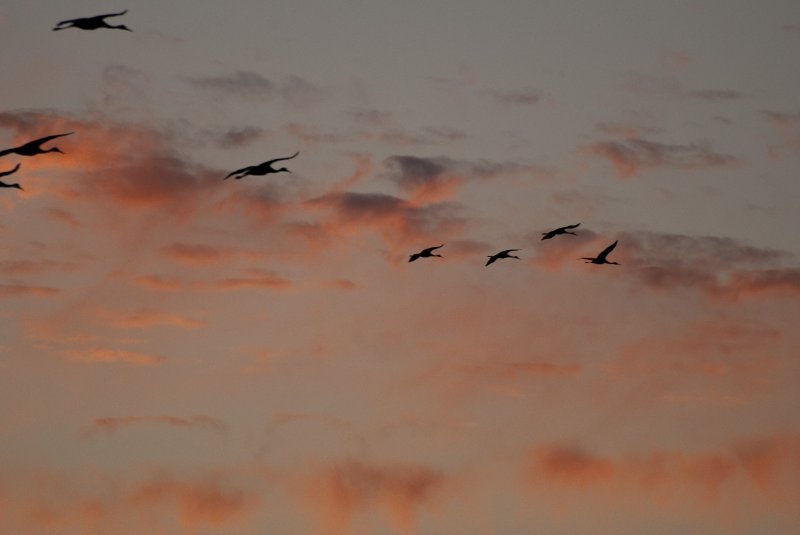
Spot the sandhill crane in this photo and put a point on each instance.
(425, 253)
(261, 169)
(32, 148)
(6, 173)
(502, 254)
(92, 23)
(601, 258)
(560, 230)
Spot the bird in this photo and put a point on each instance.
(6, 173)
(601, 258)
(92, 23)
(32, 148)
(502, 254)
(260, 169)
(425, 253)
(560, 230)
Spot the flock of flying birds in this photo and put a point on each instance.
(32, 148)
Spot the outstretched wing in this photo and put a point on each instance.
(110, 15)
(491, 259)
(43, 140)
(244, 170)
(508, 251)
(604, 254)
(6, 173)
(576, 225)
(429, 250)
(270, 162)
(413, 257)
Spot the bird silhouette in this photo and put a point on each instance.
(559, 230)
(425, 253)
(6, 173)
(260, 169)
(92, 23)
(601, 258)
(32, 148)
(502, 254)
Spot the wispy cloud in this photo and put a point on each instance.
(110, 425)
(110, 356)
(632, 156)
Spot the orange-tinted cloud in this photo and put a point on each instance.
(156, 282)
(254, 278)
(397, 220)
(436, 179)
(108, 356)
(632, 156)
(110, 425)
(342, 490)
(132, 165)
(24, 290)
(145, 318)
(666, 475)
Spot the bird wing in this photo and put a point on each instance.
(576, 225)
(491, 259)
(11, 172)
(429, 250)
(242, 170)
(43, 140)
(509, 251)
(70, 21)
(110, 15)
(607, 250)
(270, 162)
(413, 257)
(548, 235)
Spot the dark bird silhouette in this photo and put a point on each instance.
(261, 169)
(425, 253)
(92, 23)
(601, 258)
(6, 173)
(32, 148)
(560, 230)
(502, 254)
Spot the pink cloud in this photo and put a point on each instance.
(633, 155)
(111, 425)
(25, 290)
(109, 356)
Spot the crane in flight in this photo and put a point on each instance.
(92, 23)
(260, 169)
(425, 253)
(502, 254)
(6, 173)
(601, 258)
(559, 230)
(32, 148)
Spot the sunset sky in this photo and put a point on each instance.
(186, 355)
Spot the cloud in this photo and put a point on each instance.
(716, 95)
(294, 90)
(205, 503)
(436, 179)
(110, 425)
(524, 97)
(246, 84)
(342, 490)
(131, 165)
(34, 267)
(156, 282)
(397, 220)
(16, 289)
(719, 267)
(254, 278)
(109, 356)
(787, 126)
(632, 156)
(198, 254)
(241, 137)
(521, 369)
(144, 318)
(670, 475)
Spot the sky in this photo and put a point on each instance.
(182, 354)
